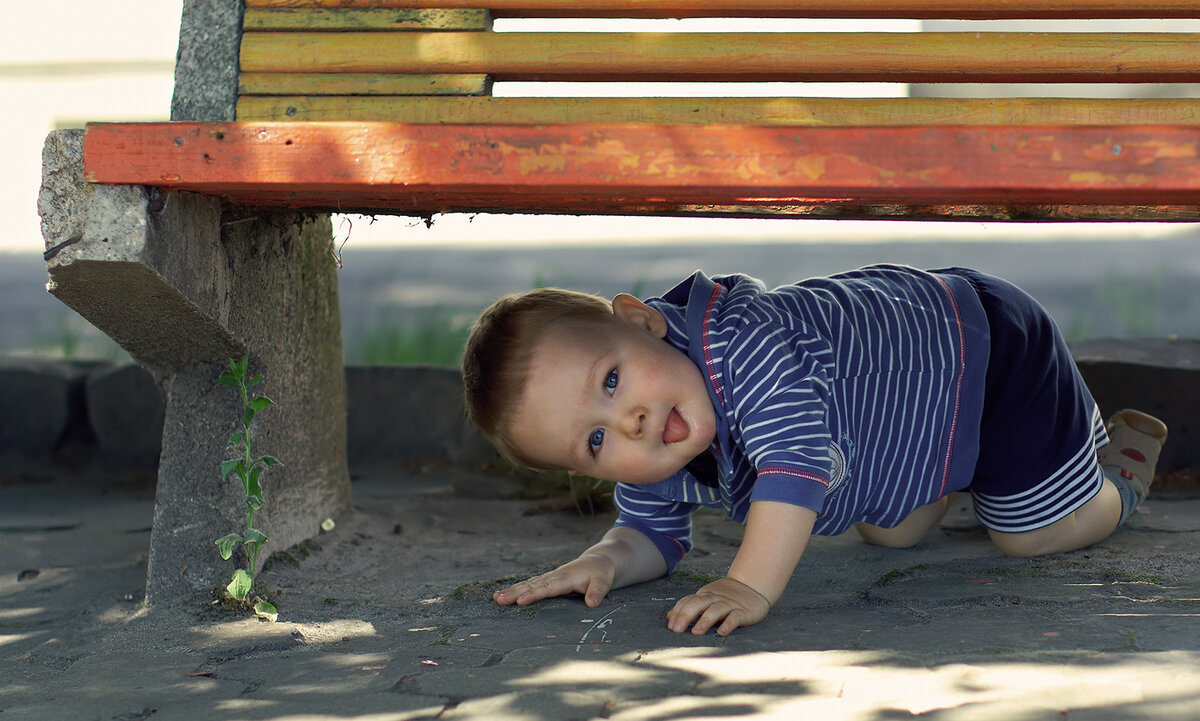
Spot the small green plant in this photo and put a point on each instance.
(249, 470)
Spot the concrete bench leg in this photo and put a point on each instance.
(184, 283)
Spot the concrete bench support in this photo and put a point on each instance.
(184, 283)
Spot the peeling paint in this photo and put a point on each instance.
(1160, 149)
(811, 166)
(543, 163)
(1092, 177)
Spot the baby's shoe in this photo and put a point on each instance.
(1132, 453)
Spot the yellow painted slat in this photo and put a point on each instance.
(732, 111)
(287, 18)
(896, 57)
(360, 84)
(918, 9)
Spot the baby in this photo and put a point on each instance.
(863, 399)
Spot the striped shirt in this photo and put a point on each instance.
(858, 396)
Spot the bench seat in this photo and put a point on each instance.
(1007, 172)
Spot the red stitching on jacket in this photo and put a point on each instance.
(962, 370)
(708, 359)
(783, 471)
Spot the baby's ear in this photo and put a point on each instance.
(632, 310)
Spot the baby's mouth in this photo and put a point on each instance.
(675, 429)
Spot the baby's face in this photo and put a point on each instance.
(614, 401)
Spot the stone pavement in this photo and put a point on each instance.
(388, 617)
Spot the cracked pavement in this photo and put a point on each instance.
(389, 617)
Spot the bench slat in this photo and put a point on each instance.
(894, 57)
(916, 9)
(733, 111)
(599, 168)
(304, 84)
(364, 19)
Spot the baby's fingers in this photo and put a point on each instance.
(702, 613)
(722, 612)
(734, 619)
(526, 592)
(597, 589)
(547, 585)
(687, 610)
(505, 596)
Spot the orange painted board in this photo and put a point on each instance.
(584, 168)
(845, 57)
(964, 9)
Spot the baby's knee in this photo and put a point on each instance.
(1028, 544)
(911, 531)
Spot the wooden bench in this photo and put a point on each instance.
(418, 132)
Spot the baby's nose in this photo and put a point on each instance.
(634, 422)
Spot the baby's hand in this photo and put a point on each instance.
(590, 574)
(728, 602)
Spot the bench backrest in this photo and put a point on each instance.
(434, 61)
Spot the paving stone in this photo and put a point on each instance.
(126, 410)
(38, 403)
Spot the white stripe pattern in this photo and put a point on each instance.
(880, 361)
(1077, 480)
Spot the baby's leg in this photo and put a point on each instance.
(1092, 522)
(911, 531)
(1128, 462)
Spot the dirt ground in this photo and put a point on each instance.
(389, 617)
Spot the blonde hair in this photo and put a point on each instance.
(499, 352)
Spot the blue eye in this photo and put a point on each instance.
(596, 440)
(610, 381)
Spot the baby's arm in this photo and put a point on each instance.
(623, 557)
(776, 536)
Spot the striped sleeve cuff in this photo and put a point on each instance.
(672, 549)
(797, 486)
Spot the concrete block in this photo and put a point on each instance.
(206, 67)
(410, 413)
(64, 197)
(126, 260)
(36, 406)
(1158, 376)
(184, 283)
(125, 409)
(284, 304)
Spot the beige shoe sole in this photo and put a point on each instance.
(1143, 423)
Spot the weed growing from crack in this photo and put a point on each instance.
(249, 470)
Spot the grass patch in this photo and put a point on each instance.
(412, 336)
(74, 339)
(695, 576)
(898, 574)
(445, 633)
(436, 338)
(479, 586)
